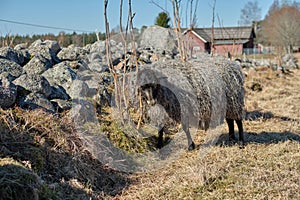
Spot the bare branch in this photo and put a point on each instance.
(213, 29)
(177, 24)
(107, 36)
(121, 11)
(157, 4)
(194, 20)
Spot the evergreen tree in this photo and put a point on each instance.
(163, 20)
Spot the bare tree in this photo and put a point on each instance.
(191, 9)
(282, 27)
(250, 13)
(127, 35)
(213, 29)
(109, 58)
(107, 37)
(9, 40)
(177, 24)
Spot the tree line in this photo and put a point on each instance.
(64, 39)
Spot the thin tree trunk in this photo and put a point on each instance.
(108, 55)
(213, 30)
(176, 14)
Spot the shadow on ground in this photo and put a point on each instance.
(262, 137)
(257, 114)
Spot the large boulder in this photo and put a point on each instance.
(41, 48)
(97, 86)
(34, 101)
(159, 38)
(52, 45)
(10, 67)
(23, 49)
(96, 56)
(42, 57)
(61, 74)
(33, 83)
(8, 93)
(78, 90)
(289, 61)
(72, 53)
(38, 64)
(98, 46)
(12, 54)
(58, 92)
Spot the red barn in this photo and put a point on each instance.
(233, 40)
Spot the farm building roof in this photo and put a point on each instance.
(225, 33)
(238, 41)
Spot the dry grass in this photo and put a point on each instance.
(258, 172)
(44, 147)
(45, 150)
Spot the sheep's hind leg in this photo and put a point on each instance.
(230, 123)
(241, 132)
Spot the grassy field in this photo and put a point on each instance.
(42, 157)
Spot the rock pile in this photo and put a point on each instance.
(46, 75)
(286, 62)
(42, 75)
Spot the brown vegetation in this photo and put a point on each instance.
(281, 27)
(41, 155)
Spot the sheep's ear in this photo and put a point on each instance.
(162, 79)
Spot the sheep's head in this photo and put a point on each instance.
(149, 94)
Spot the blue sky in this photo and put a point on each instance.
(88, 15)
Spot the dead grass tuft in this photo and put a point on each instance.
(48, 147)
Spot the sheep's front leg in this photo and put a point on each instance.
(160, 138)
(191, 144)
(230, 123)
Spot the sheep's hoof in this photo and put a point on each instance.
(192, 146)
(159, 145)
(241, 144)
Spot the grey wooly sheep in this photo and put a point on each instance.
(186, 94)
(201, 93)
